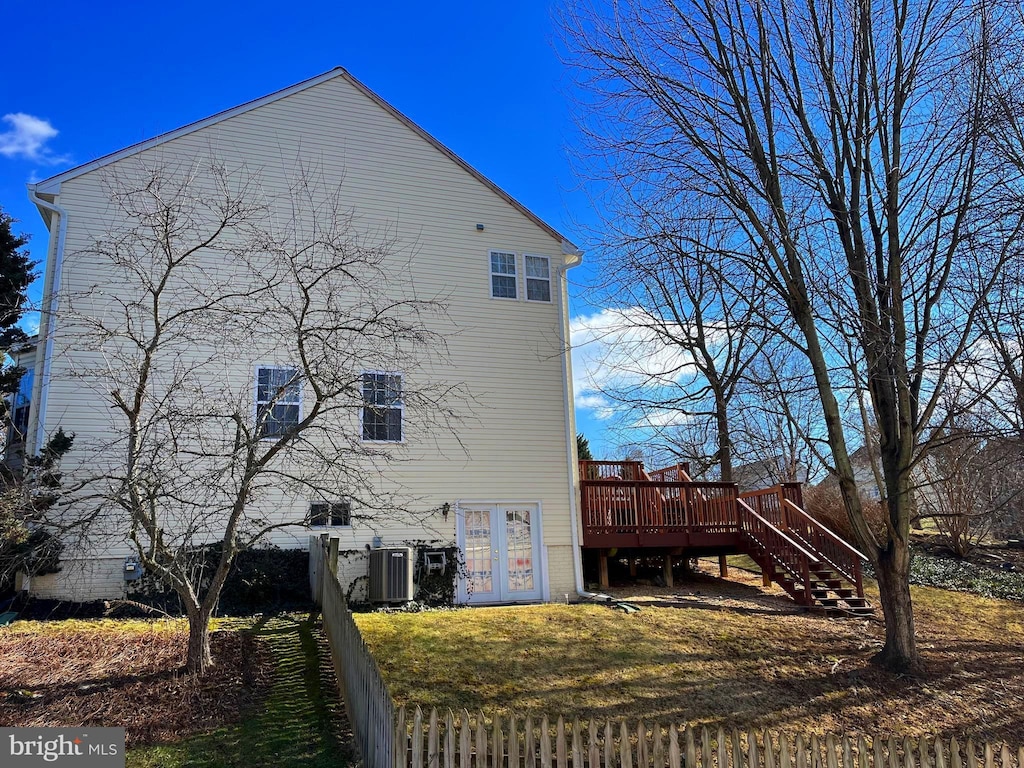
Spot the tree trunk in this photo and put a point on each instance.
(724, 440)
(893, 573)
(199, 659)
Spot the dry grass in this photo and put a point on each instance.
(126, 673)
(271, 700)
(714, 652)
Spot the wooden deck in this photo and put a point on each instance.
(625, 507)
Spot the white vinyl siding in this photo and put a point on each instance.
(503, 275)
(510, 440)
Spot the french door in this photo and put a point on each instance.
(501, 543)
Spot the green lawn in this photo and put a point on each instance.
(707, 660)
(295, 724)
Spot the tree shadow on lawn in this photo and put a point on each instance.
(857, 697)
(298, 722)
(802, 673)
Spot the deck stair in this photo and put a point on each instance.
(822, 570)
(626, 506)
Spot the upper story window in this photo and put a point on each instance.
(335, 514)
(503, 275)
(382, 407)
(538, 278)
(278, 401)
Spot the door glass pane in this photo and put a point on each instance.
(519, 543)
(478, 551)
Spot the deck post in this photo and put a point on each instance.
(723, 567)
(668, 571)
(766, 574)
(602, 576)
(632, 567)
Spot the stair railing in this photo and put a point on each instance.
(679, 473)
(778, 547)
(832, 548)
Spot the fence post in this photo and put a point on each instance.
(333, 556)
(322, 569)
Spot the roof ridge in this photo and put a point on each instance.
(52, 184)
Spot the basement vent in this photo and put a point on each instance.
(391, 575)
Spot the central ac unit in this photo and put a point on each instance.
(391, 575)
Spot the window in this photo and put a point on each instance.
(538, 278)
(382, 407)
(278, 397)
(503, 275)
(20, 405)
(334, 514)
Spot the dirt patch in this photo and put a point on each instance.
(91, 676)
(702, 588)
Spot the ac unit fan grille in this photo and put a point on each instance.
(390, 575)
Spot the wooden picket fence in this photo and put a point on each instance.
(370, 708)
(389, 737)
(465, 741)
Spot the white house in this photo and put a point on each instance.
(501, 486)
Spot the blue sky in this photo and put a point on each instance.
(85, 79)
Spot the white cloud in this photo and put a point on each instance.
(616, 349)
(27, 137)
(30, 323)
(601, 406)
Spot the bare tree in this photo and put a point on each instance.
(1001, 359)
(972, 477)
(848, 149)
(679, 293)
(778, 429)
(963, 486)
(229, 332)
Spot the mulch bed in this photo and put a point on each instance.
(75, 678)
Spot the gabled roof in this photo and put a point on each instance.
(51, 185)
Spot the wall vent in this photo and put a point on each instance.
(391, 575)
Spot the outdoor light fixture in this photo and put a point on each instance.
(445, 509)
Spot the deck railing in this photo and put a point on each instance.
(677, 473)
(830, 547)
(615, 506)
(612, 470)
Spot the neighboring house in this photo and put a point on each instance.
(765, 473)
(864, 474)
(505, 493)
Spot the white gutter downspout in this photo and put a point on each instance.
(570, 424)
(44, 355)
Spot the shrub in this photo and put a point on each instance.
(961, 576)
(825, 504)
(261, 580)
